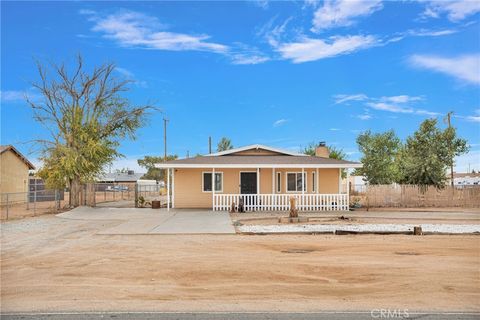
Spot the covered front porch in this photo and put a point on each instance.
(258, 189)
(281, 202)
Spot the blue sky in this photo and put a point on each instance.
(277, 73)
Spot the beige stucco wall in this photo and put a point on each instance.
(189, 194)
(13, 173)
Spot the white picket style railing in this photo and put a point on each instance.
(281, 202)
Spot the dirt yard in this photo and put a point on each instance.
(53, 264)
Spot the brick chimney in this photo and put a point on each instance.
(322, 150)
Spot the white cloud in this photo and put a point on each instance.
(16, 96)
(465, 67)
(12, 96)
(455, 10)
(309, 49)
(243, 54)
(134, 29)
(260, 3)
(364, 117)
(137, 30)
(431, 33)
(472, 118)
(401, 99)
(280, 122)
(389, 107)
(130, 76)
(334, 129)
(395, 104)
(340, 13)
(342, 98)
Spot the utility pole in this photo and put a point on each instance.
(449, 115)
(209, 145)
(188, 154)
(165, 120)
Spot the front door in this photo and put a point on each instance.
(248, 182)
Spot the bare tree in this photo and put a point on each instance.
(87, 117)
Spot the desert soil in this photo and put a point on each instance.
(54, 264)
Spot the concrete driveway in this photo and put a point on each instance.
(148, 221)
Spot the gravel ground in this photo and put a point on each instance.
(434, 228)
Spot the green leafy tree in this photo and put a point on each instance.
(86, 116)
(310, 149)
(224, 144)
(148, 162)
(427, 155)
(334, 153)
(379, 152)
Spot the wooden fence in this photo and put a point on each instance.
(411, 196)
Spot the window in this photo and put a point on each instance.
(207, 182)
(295, 181)
(279, 182)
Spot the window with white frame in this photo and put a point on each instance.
(314, 182)
(295, 182)
(279, 182)
(207, 182)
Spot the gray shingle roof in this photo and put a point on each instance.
(259, 161)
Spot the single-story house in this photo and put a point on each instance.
(260, 177)
(118, 181)
(14, 170)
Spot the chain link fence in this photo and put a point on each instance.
(27, 204)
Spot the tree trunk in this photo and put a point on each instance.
(75, 189)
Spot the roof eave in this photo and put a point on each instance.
(254, 166)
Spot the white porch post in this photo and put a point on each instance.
(273, 180)
(303, 181)
(317, 187)
(168, 189)
(258, 180)
(273, 200)
(213, 189)
(173, 187)
(348, 189)
(339, 180)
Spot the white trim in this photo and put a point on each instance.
(303, 182)
(168, 189)
(254, 166)
(256, 146)
(173, 188)
(213, 181)
(240, 180)
(317, 185)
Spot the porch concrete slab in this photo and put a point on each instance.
(196, 222)
(124, 214)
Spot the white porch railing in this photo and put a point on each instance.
(281, 202)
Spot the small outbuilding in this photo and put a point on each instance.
(14, 170)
